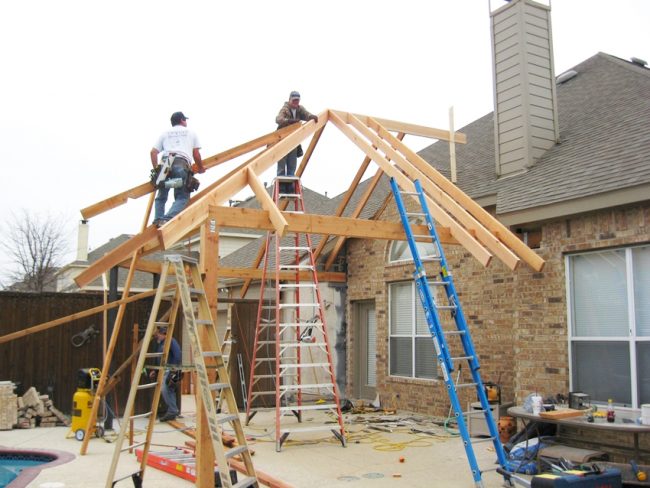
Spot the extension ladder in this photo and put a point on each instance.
(432, 310)
(291, 353)
(205, 348)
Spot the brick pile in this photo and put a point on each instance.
(36, 410)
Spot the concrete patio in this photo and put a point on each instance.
(372, 458)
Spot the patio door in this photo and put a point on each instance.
(366, 350)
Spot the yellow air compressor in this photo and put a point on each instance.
(82, 402)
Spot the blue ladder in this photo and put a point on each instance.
(431, 311)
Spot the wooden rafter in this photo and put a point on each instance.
(440, 215)
(320, 224)
(458, 212)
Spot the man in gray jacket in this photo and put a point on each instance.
(290, 113)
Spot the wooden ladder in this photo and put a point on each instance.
(205, 349)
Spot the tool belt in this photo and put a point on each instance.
(191, 183)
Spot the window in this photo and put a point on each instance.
(609, 324)
(411, 349)
(400, 250)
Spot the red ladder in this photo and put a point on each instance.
(292, 360)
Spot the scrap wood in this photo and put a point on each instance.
(226, 439)
(263, 477)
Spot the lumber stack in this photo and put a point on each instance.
(36, 410)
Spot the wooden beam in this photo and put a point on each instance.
(192, 217)
(418, 130)
(74, 316)
(279, 222)
(473, 226)
(222, 157)
(463, 237)
(248, 218)
(496, 228)
(209, 262)
(256, 274)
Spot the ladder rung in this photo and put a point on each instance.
(203, 322)
(482, 439)
(454, 332)
(430, 258)
(294, 248)
(421, 236)
(117, 480)
(294, 211)
(416, 214)
(296, 266)
(265, 342)
(313, 428)
(446, 307)
(287, 178)
(322, 406)
(230, 453)
(304, 365)
(147, 386)
(303, 344)
(222, 419)
(301, 324)
(264, 376)
(294, 305)
(408, 192)
(262, 393)
(133, 446)
(460, 358)
(140, 415)
(197, 291)
(212, 354)
(465, 385)
(161, 324)
(219, 386)
(298, 285)
(306, 386)
(153, 355)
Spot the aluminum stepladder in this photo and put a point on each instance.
(291, 348)
(439, 335)
(205, 348)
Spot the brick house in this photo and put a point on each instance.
(565, 164)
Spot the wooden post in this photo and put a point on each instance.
(209, 265)
(452, 145)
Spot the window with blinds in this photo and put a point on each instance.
(609, 324)
(411, 351)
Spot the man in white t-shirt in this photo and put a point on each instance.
(180, 145)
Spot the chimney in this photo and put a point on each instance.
(82, 241)
(525, 104)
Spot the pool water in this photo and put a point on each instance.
(11, 464)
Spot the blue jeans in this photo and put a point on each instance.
(169, 395)
(287, 167)
(179, 169)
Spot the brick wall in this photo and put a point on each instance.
(518, 319)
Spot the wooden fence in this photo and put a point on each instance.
(50, 362)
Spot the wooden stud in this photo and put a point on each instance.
(418, 130)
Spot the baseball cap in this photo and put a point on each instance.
(177, 117)
(294, 94)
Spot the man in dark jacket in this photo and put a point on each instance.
(290, 113)
(172, 377)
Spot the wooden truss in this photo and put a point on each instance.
(460, 220)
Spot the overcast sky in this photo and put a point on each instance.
(88, 86)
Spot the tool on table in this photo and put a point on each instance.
(638, 474)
